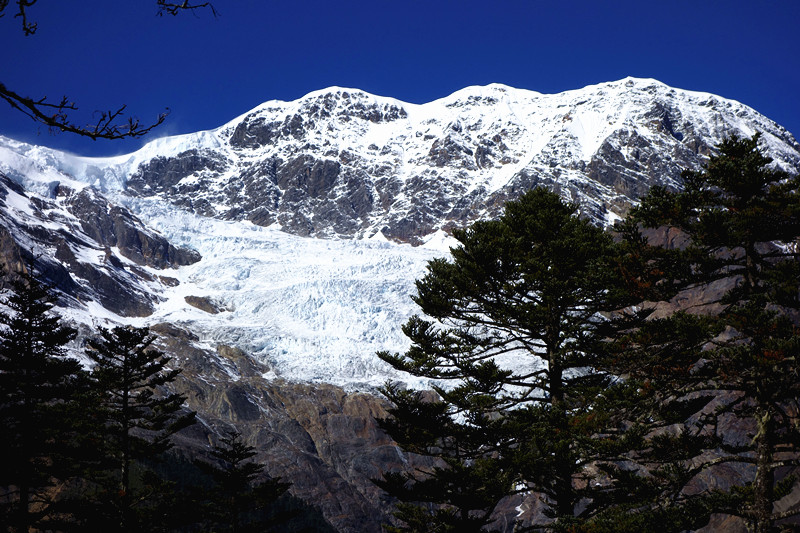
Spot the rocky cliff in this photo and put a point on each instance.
(322, 439)
(345, 163)
(87, 248)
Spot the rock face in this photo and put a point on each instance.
(345, 163)
(204, 303)
(115, 227)
(85, 247)
(323, 440)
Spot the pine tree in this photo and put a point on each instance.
(138, 419)
(37, 382)
(736, 358)
(518, 319)
(237, 503)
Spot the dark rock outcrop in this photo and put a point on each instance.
(115, 226)
(162, 174)
(204, 303)
(84, 232)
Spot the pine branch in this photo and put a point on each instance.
(785, 514)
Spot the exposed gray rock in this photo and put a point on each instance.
(162, 174)
(255, 131)
(115, 226)
(323, 440)
(348, 164)
(204, 303)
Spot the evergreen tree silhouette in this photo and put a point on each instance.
(37, 383)
(236, 502)
(138, 419)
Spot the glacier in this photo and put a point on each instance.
(311, 309)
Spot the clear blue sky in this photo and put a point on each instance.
(208, 70)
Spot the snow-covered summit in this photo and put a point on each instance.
(341, 162)
(371, 176)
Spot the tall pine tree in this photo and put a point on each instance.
(735, 360)
(518, 318)
(37, 382)
(138, 417)
(237, 502)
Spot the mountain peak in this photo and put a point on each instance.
(341, 162)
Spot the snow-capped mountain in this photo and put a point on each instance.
(344, 163)
(282, 248)
(366, 174)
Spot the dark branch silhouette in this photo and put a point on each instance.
(29, 28)
(173, 8)
(109, 125)
(112, 124)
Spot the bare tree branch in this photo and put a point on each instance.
(173, 8)
(55, 116)
(110, 124)
(28, 28)
(164, 7)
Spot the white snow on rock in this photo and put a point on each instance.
(318, 309)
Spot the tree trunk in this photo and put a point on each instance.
(563, 470)
(24, 503)
(25, 441)
(751, 271)
(125, 467)
(765, 476)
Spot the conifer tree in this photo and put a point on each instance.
(734, 360)
(518, 318)
(236, 502)
(37, 381)
(138, 417)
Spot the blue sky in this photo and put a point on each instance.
(208, 70)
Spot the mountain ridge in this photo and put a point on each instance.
(371, 173)
(273, 265)
(344, 163)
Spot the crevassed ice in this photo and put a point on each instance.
(312, 309)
